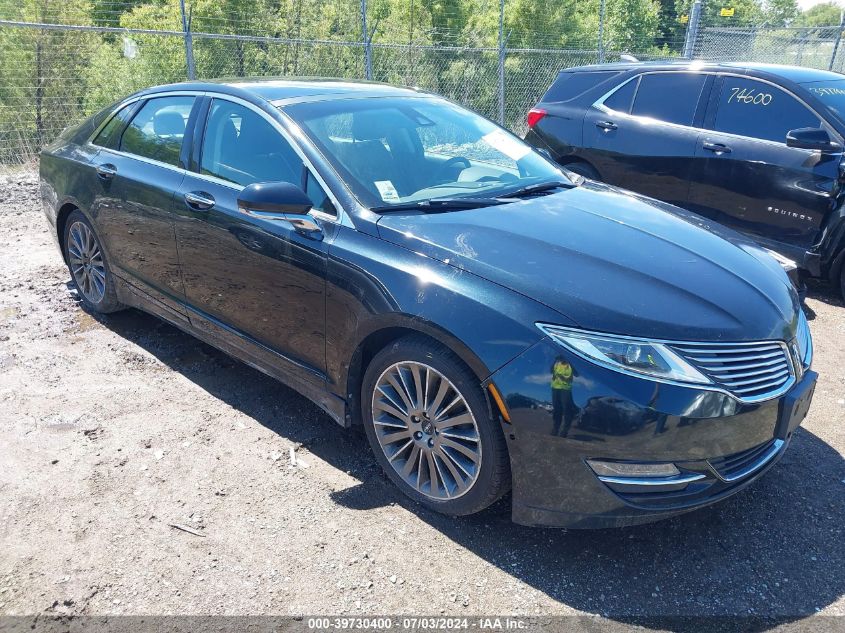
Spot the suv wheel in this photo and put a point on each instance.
(88, 266)
(429, 425)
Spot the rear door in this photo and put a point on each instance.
(140, 166)
(642, 136)
(745, 175)
(249, 279)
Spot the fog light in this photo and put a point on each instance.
(623, 469)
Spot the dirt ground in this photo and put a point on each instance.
(113, 430)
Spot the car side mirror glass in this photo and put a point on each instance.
(280, 201)
(811, 138)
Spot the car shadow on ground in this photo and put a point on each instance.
(772, 551)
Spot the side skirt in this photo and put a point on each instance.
(251, 354)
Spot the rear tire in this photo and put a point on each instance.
(432, 431)
(583, 169)
(88, 265)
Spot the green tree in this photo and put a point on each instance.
(824, 14)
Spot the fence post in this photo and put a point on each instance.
(368, 45)
(189, 42)
(838, 39)
(692, 30)
(602, 9)
(501, 86)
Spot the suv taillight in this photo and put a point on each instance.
(534, 115)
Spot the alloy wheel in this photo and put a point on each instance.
(426, 430)
(86, 262)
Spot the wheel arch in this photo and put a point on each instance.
(384, 334)
(567, 161)
(62, 215)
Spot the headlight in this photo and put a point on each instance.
(805, 340)
(630, 356)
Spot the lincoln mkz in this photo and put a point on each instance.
(495, 323)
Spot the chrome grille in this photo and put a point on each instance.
(739, 465)
(750, 371)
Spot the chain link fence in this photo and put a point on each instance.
(64, 61)
(813, 47)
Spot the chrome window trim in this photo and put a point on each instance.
(144, 159)
(337, 219)
(599, 105)
(771, 395)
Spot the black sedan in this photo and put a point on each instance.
(412, 267)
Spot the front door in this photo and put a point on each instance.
(747, 178)
(138, 175)
(642, 137)
(256, 280)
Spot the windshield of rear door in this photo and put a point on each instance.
(404, 150)
(830, 93)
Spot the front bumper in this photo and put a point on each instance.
(719, 444)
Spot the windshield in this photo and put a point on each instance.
(405, 150)
(831, 93)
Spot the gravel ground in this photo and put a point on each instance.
(113, 430)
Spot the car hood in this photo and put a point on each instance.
(615, 262)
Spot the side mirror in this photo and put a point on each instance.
(280, 201)
(811, 138)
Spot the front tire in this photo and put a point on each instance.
(88, 266)
(430, 428)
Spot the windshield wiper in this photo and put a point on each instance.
(537, 188)
(437, 204)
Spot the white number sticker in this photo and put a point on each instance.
(749, 96)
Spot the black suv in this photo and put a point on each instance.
(756, 147)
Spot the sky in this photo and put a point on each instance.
(806, 4)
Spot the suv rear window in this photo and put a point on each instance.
(569, 85)
(669, 97)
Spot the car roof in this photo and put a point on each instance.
(288, 90)
(796, 74)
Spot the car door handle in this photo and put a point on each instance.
(607, 126)
(199, 200)
(718, 148)
(106, 171)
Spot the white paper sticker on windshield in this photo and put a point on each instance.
(387, 190)
(509, 146)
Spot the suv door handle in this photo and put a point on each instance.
(199, 200)
(607, 126)
(718, 148)
(106, 171)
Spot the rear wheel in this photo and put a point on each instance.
(88, 266)
(583, 169)
(429, 425)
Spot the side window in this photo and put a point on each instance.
(318, 197)
(157, 130)
(760, 110)
(669, 97)
(109, 136)
(242, 147)
(621, 99)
